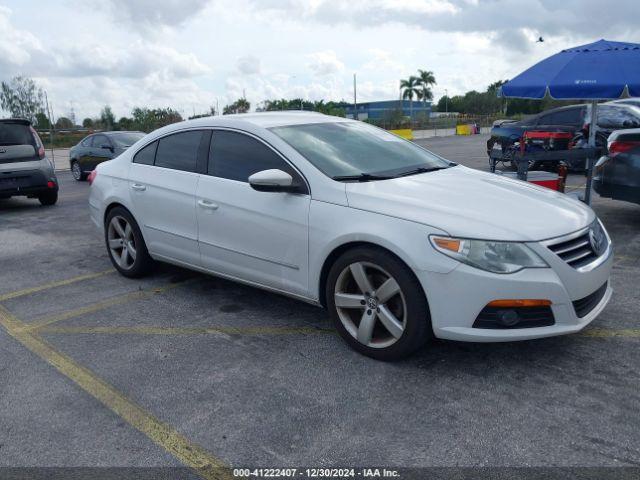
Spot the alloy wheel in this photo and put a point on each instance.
(75, 171)
(370, 304)
(122, 245)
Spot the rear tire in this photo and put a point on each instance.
(125, 244)
(48, 198)
(382, 310)
(77, 172)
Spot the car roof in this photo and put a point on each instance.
(266, 119)
(20, 121)
(116, 132)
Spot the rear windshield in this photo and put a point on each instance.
(15, 134)
(126, 139)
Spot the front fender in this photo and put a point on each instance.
(333, 226)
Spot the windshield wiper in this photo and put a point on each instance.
(362, 177)
(415, 171)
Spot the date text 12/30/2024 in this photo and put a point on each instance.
(315, 472)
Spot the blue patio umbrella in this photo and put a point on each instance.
(602, 70)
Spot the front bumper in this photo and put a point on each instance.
(457, 298)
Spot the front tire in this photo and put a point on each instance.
(377, 304)
(125, 244)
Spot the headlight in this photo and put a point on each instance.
(496, 257)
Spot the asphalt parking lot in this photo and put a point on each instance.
(185, 369)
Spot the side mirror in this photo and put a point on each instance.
(106, 146)
(273, 180)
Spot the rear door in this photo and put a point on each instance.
(163, 180)
(261, 237)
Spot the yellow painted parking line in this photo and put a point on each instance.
(151, 330)
(95, 307)
(260, 330)
(159, 432)
(610, 332)
(59, 283)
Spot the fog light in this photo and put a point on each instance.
(508, 318)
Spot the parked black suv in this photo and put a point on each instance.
(24, 168)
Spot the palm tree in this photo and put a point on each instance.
(427, 79)
(410, 88)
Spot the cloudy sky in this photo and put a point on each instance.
(190, 54)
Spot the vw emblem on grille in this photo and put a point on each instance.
(597, 239)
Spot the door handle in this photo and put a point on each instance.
(138, 187)
(208, 205)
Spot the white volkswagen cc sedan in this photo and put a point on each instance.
(397, 243)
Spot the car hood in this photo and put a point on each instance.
(469, 203)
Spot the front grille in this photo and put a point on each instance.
(528, 317)
(577, 252)
(585, 305)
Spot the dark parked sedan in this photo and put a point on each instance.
(617, 174)
(98, 148)
(573, 118)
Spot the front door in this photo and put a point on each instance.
(261, 237)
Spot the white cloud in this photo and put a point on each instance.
(325, 63)
(17, 47)
(154, 13)
(187, 53)
(249, 65)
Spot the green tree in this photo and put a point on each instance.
(107, 118)
(239, 106)
(42, 121)
(427, 80)
(125, 123)
(147, 120)
(210, 113)
(22, 97)
(87, 123)
(410, 89)
(64, 123)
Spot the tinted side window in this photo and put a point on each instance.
(570, 116)
(179, 151)
(237, 156)
(86, 142)
(147, 155)
(545, 119)
(616, 117)
(99, 140)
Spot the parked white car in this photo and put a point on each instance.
(397, 243)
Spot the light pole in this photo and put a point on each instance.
(355, 99)
(446, 101)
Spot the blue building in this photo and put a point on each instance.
(386, 108)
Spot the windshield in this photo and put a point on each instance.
(126, 139)
(343, 149)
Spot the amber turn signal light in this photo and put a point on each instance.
(447, 243)
(519, 303)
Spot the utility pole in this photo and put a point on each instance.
(446, 101)
(355, 98)
(46, 99)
